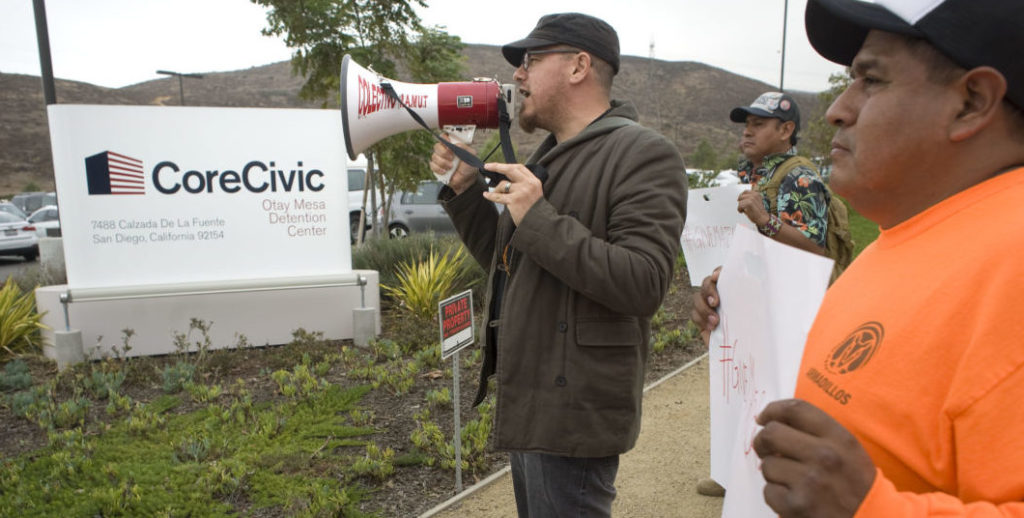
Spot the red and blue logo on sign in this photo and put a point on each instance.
(114, 173)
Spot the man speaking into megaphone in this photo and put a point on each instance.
(578, 265)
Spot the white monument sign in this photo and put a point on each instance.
(163, 195)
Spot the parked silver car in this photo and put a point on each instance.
(18, 237)
(45, 218)
(418, 211)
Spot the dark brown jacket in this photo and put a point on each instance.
(589, 265)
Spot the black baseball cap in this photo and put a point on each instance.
(770, 105)
(574, 29)
(972, 33)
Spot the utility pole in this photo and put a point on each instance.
(782, 71)
(43, 41)
(181, 87)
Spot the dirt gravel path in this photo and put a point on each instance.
(656, 479)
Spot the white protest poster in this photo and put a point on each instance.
(769, 293)
(711, 216)
(161, 195)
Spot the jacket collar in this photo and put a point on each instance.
(550, 149)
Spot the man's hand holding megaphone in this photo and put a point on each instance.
(518, 192)
(442, 161)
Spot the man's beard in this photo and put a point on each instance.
(527, 124)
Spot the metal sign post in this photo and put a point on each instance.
(455, 316)
(458, 426)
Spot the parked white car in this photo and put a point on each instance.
(7, 206)
(45, 218)
(18, 237)
(30, 202)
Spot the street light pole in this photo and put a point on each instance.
(782, 71)
(45, 64)
(181, 87)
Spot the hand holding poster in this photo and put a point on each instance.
(769, 295)
(711, 216)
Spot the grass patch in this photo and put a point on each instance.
(195, 464)
(864, 231)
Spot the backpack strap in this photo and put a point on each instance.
(771, 188)
(838, 240)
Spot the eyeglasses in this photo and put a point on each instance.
(528, 55)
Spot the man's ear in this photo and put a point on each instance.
(788, 128)
(582, 65)
(982, 91)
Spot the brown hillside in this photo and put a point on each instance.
(686, 101)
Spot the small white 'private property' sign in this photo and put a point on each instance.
(455, 315)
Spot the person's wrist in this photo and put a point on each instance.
(772, 227)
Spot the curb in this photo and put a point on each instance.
(501, 472)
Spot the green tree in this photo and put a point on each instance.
(816, 140)
(728, 157)
(704, 157)
(380, 34)
(321, 32)
(433, 56)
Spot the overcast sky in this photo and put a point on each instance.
(116, 43)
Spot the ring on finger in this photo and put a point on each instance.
(508, 187)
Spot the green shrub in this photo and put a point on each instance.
(361, 417)
(203, 393)
(386, 255)
(303, 338)
(664, 339)
(474, 437)
(299, 383)
(25, 402)
(378, 463)
(102, 383)
(175, 376)
(428, 357)
(701, 179)
(385, 350)
(71, 412)
(183, 342)
(19, 321)
(15, 376)
(439, 398)
(422, 285)
(691, 333)
(659, 319)
(471, 359)
(431, 442)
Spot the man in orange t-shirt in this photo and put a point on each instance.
(913, 372)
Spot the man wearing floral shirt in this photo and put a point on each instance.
(798, 216)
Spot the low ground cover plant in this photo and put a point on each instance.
(312, 428)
